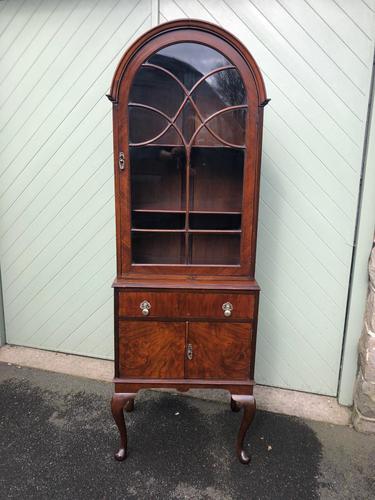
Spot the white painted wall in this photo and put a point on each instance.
(56, 188)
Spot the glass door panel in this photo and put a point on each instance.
(187, 111)
(155, 88)
(216, 177)
(158, 178)
(189, 61)
(158, 247)
(214, 249)
(218, 91)
(214, 221)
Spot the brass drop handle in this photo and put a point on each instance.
(189, 352)
(227, 308)
(145, 307)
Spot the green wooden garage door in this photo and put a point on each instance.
(56, 185)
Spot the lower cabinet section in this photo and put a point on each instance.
(195, 350)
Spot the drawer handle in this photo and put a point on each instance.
(227, 308)
(145, 306)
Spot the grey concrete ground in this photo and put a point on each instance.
(57, 440)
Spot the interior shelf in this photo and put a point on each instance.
(214, 212)
(134, 230)
(159, 211)
(214, 231)
(173, 211)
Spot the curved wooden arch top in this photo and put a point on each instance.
(194, 24)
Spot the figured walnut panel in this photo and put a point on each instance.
(151, 349)
(219, 351)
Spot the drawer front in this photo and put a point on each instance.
(187, 305)
(158, 304)
(151, 349)
(229, 306)
(219, 350)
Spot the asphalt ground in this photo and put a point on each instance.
(57, 439)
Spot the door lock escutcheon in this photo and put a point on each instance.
(189, 352)
(121, 161)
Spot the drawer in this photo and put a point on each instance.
(189, 305)
(230, 306)
(160, 304)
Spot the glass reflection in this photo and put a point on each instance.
(189, 61)
(219, 91)
(157, 89)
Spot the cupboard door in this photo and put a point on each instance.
(219, 350)
(151, 349)
(185, 130)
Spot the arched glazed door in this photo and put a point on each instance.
(187, 118)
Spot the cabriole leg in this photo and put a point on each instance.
(249, 407)
(119, 400)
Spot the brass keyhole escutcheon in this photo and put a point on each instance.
(189, 352)
(121, 161)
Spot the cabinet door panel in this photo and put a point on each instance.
(151, 349)
(219, 350)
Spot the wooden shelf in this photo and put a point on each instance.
(158, 211)
(173, 211)
(190, 231)
(213, 212)
(158, 230)
(206, 146)
(214, 231)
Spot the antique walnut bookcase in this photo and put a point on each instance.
(188, 104)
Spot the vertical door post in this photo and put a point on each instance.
(2, 322)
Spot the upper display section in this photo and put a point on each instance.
(187, 93)
(187, 122)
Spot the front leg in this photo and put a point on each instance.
(117, 406)
(249, 407)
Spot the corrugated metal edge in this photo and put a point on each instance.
(2, 322)
(359, 274)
